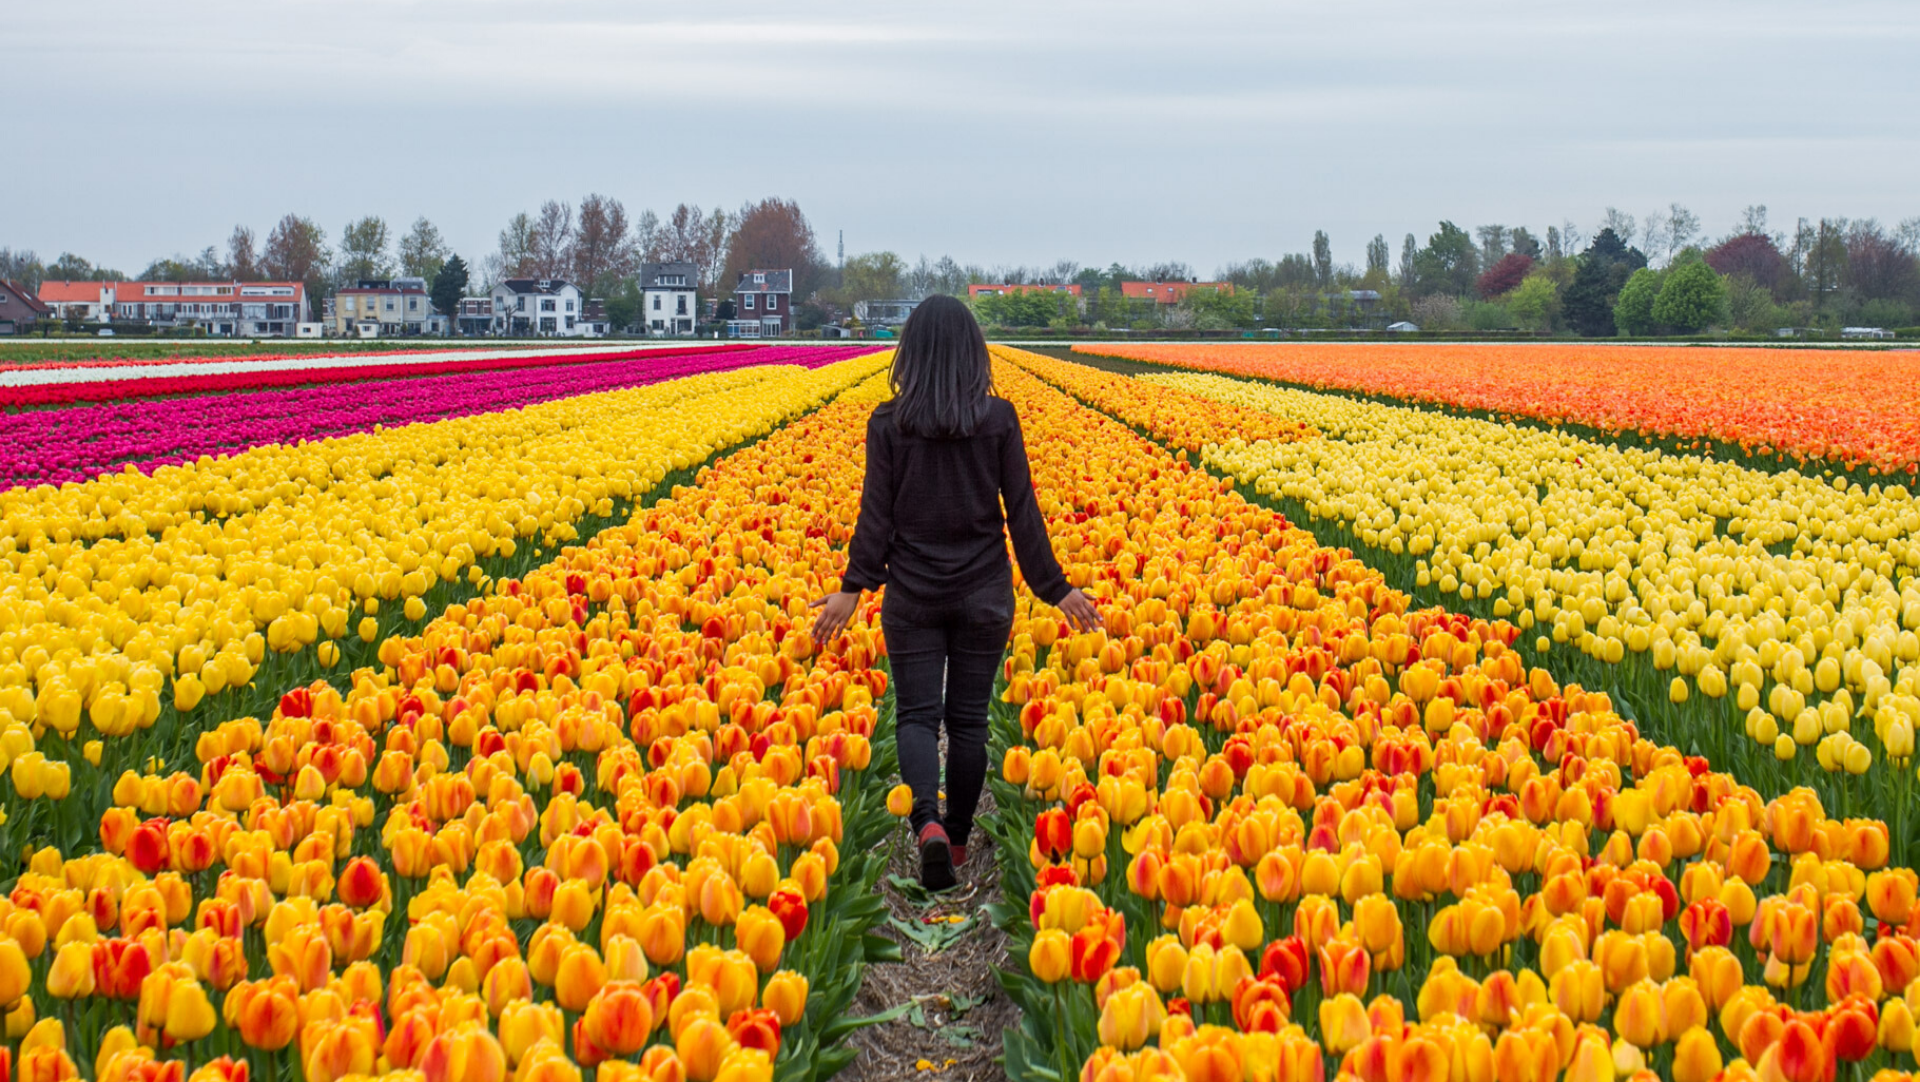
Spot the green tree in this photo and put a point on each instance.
(1750, 305)
(1219, 309)
(363, 250)
(623, 305)
(1692, 299)
(1448, 264)
(1535, 302)
(1633, 310)
(449, 285)
(422, 252)
(872, 276)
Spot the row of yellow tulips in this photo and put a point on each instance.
(1273, 823)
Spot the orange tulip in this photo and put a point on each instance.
(467, 1053)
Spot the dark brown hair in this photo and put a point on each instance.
(942, 376)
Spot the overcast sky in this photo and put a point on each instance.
(997, 132)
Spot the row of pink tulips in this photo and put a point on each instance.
(59, 445)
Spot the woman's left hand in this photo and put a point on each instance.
(835, 611)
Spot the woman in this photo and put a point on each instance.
(941, 457)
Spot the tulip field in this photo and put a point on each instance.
(1506, 719)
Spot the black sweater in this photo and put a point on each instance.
(930, 520)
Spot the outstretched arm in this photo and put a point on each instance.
(867, 552)
(1029, 532)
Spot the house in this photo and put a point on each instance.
(247, 309)
(19, 308)
(763, 304)
(381, 307)
(538, 306)
(1168, 292)
(1001, 289)
(884, 313)
(666, 298)
(593, 318)
(1865, 332)
(79, 302)
(474, 316)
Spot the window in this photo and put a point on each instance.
(546, 304)
(520, 304)
(389, 304)
(759, 279)
(773, 301)
(413, 304)
(656, 302)
(569, 304)
(569, 318)
(746, 302)
(683, 305)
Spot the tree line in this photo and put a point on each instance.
(1656, 273)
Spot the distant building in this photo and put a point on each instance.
(667, 298)
(1168, 292)
(763, 304)
(593, 319)
(474, 316)
(79, 302)
(1001, 289)
(1865, 332)
(245, 309)
(381, 307)
(1402, 327)
(20, 309)
(546, 307)
(891, 313)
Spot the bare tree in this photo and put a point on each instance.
(1682, 226)
(240, 255)
(1622, 224)
(553, 239)
(1753, 220)
(1572, 240)
(515, 259)
(1653, 227)
(296, 251)
(1493, 243)
(646, 236)
(1063, 271)
(1908, 234)
(602, 247)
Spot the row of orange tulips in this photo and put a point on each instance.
(1849, 408)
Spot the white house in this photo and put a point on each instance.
(546, 307)
(666, 298)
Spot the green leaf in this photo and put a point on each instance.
(878, 949)
(839, 1028)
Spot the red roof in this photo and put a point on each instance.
(1168, 292)
(73, 292)
(26, 298)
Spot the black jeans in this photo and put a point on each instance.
(945, 655)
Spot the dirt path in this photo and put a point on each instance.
(953, 1034)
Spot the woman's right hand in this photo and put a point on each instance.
(835, 611)
(1080, 612)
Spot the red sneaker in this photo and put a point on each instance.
(959, 855)
(936, 858)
